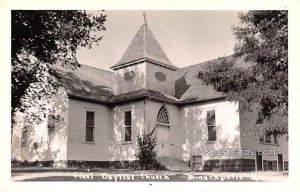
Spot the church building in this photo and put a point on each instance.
(103, 112)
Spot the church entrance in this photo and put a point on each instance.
(162, 141)
(162, 132)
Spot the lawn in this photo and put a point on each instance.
(127, 176)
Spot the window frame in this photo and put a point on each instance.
(276, 138)
(125, 127)
(93, 127)
(211, 126)
(268, 141)
(261, 138)
(51, 128)
(24, 144)
(162, 117)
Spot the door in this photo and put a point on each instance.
(280, 162)
(258, 162)
(162, 141)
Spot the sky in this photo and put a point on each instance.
(187, 37)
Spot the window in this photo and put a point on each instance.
(265, 163)
(129, 75)
(51, 124)
(160, 76)
(211, 125)
(286, 165)
(90, 126)
(127, 123)
(268, 138)
(162, 115)
(24, 138)
(274, 165)
(275, 139)
(261, 138)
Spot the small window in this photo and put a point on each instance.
(286, 165)
(261, 138)
(90, 126)
(127, 126)
(24, 138)
(51, 124)
(276, 139)
(160, 76)
(129, 76)
(211, 125)
(268, 138)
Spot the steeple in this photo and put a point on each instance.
(144, 47)
(145, 21)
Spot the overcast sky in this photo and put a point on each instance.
(187, 37)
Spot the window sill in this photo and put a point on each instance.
(90, 142)
(127, 143)
(211, 142)
(263, 143)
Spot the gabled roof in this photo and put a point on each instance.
(88, 83)
(144, 46)
(189, 87)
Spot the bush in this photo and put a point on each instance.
(146, 153)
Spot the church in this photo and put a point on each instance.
(103, 112)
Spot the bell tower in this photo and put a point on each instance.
(144, 65)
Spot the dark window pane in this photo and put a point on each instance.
(24, 138)
(127, 133)
(286, 165)
(270, 166)
(51, 121)
(261, 138)
(128, 118)
(268, 138)
(212, 134)
(265, 165)
(275, 139)
(90, 119)
(89, 135)
(211, 119)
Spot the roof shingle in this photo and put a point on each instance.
(144, 46)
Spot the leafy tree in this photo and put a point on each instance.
(41, 39)
(262, 39)
(146, 153)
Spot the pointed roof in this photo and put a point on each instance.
(144, 46)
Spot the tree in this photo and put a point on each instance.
(146, 153)
(44, 38)
(262, 38)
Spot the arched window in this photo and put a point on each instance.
(162, 116)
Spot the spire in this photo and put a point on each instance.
(145, 16)
(144, 46)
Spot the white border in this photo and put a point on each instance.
(294, 92)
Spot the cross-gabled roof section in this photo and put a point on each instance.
(144, 47)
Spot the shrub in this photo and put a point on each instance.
(146, 153)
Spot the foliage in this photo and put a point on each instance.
(41, 39)
(146, 153)
(262, 39)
